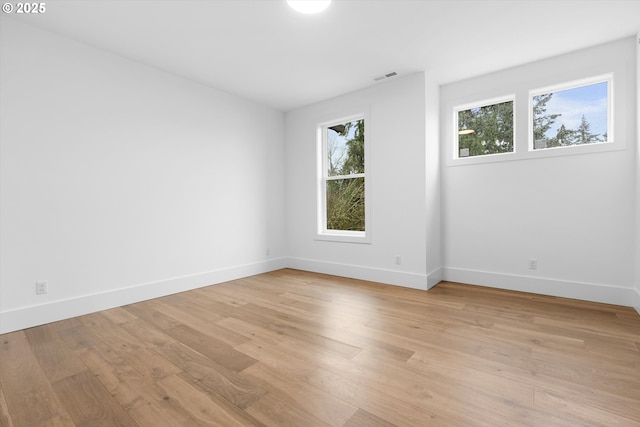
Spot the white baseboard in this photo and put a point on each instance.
(26, 317)
(390, 277)
(435, 277)
(560, 288)
(636, 301)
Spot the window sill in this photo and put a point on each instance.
(540, 153)
(344, 236)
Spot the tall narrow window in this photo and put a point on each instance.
(343, 201)
(569, 114)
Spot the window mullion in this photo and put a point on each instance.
(336, 177)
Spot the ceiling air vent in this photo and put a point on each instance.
(385, 76)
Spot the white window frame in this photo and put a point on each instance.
(615, 73)
(574, 84)
(480, 104)
(322, 177)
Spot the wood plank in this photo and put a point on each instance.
(118, 315)
(130, 348)
(204, 372)
(205, 409)
(363, 418)
(89, 404)
(5, 417)
(29, 396)
(212, 377)
(342, 334)
(312, 400)
(255, 332)
(200, 319)
(601, 376)
(432, 390)
(59, 421)
(182, 309)
(78, 337)
(563, 406)
(273, 411)
(257, 315)
(434, 358)
(147, 335)
(383, 406)
(218, 351)
(136, 393)
(52, 354)
(118, 377)
(214, 291)
(310, 355)
(277, 357)
(510, 353)
(145, 311)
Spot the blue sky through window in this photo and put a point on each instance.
(590, 101)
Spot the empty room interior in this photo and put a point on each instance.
(381, 213)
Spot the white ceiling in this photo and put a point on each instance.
(264, 51)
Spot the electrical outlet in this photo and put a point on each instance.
(533, 264)
(42, 287)
(268, 252)
(398, 260)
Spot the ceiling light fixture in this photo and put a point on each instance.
(308, 6)
(466, 131)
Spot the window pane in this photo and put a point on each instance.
(345, 148)
(572, 116)
(486, 130)
(345, 204)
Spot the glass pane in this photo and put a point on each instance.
(345, 204)
(345, 148)
(571, 117)
(486, 130)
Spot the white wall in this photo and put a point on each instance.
(396, 175)
(121, 182)
(433, 182)
(637, 120)
(574, 213)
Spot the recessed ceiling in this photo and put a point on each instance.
(264, 51)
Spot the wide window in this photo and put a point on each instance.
(485, 128)
(342, 187)
(575, 113)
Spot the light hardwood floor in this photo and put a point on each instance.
(291, 348)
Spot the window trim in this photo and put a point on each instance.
(479, 104)
(574, 84)
(322, 233)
